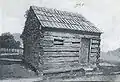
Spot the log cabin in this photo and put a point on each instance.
(59, 41)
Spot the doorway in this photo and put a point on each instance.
(85, 50)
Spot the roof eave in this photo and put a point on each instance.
(51, 28)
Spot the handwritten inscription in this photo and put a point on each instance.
(79, 4)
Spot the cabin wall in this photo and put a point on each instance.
(64, 49)
(31, 34)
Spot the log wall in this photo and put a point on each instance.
(31, 34)
(64, 49)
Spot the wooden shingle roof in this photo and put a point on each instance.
(62, 19)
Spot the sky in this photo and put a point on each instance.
(105, 14)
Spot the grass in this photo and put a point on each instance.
(111, 78)
(12, 66)
(20, 69)
(14, 71)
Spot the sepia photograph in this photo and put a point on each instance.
(59, 40)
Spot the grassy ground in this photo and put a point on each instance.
(11, 66)
(14, 71)
(10, 69)
(111, 78)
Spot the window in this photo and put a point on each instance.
(58, 42)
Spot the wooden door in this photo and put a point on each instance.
(84, 50)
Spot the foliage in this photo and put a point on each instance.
(7, 41)
(26, 13)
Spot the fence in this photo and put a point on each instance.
(9, 50)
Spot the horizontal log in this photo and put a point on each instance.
(95, 41)
(61, 54)
(72, 43)
(67, 45)
(60, 59)
(93, 46)
(60, 65)
(67, 63)
(70, 39)
(66, 35)
(72, 46)
(75, 45)
(93, 54)
(61, 49)
(46, 43)
(57, 43)
(48, 38)
(59, 34)
(49, 66)
(61, 70)
(94, 50)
